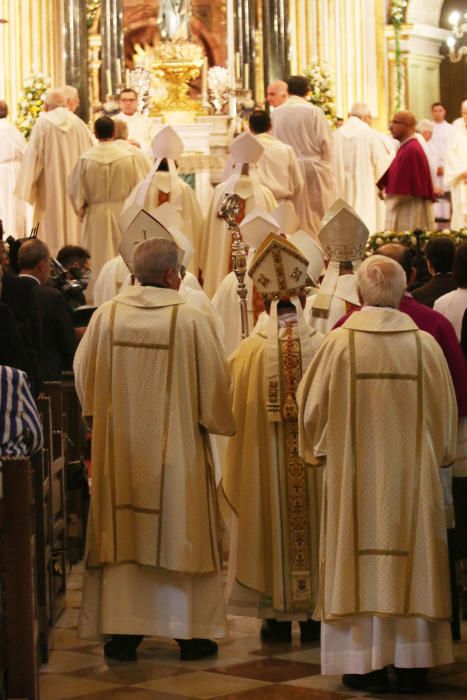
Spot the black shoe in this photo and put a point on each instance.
(274, 631)
(411, 680)
(310, 631)
(373, 682)
(193, 649)
(122, 647)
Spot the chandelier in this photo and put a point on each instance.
(458, 24)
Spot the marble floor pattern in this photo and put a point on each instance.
(244, 669)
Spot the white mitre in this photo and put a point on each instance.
(343, 236)
(256, 227)
(170, 218)
(166, 144)
(289, 224)
(287, 218)
(279, 271)
(245, 149)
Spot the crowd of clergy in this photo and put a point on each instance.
(316, 439)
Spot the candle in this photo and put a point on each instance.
(109, 82)
(127, 78)
(246, 76)
(237, 65)
(118, 71)
(204, 80)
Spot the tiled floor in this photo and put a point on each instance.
(243, 670)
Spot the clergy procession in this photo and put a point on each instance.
(272, 386)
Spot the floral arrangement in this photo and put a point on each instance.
(31, 101)
(322, 92)
(414, 241)
(397, 16)
(218, 79)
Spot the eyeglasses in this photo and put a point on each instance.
(128, 99)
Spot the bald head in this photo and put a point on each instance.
(361, 110)
(276, 93)
(71, 96)
(3, 109)
(54, 98)
(401, 254)
(121, 130)
(402, 125)
(155, 262)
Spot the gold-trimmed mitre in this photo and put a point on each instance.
(343, 235)
(278, 268)
(140, 227)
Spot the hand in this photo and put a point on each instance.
(439, 192)
(381, 195)
(440, 171)
(134, 143)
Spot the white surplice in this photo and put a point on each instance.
(14, 212)
(453, 305)
(110, 280)
(440, 139)
(99, 184)
(304, 127)
(57, 140)
(279, 170)
(454, 174)
(140, 128)
(361, 157)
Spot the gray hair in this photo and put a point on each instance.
(3, 109)
(31, 253)
(54, 97)
(69, 92)
(425, 125)
(360, 109)
(153, 258)
(381, 281)
(121, 129)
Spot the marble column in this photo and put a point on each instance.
(112, 42)
(76, 51)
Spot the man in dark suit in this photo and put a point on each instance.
(439, 252)
(59, 341)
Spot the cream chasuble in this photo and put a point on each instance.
(99, 184)
(362, 157)
(304, 127)
(153, 500)
(163, 187)
(216, 248)
(455, 175)
(279, 170)
(110, 280)
(273, 497)
(57, 140)
(377, 405)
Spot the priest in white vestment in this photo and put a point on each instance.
(13, 211)
(140, 128)
(216, 244)
(163, 184)
(343, 236)
(455, 173)
(98, 186)
(442, 131)
(153, 563)
(58, 139)
(362, 157)
(121, 139)
(304, 127)
(383, 383)
(272, 497)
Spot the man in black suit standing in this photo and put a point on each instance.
(439, 253)
(59, 341)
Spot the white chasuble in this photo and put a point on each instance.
(57, 140)
(14, 212)
(455, 175)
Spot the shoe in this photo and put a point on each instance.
(411, 680)
(193, 649)
(122, 647)
(274, 631)
(373, 682)
(310, 631)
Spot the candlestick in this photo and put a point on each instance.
(127, 78)
(109, 82)
(237, 65)
(246, 76)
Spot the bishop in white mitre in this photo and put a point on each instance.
(362, 157)
(455, 172)
(303, 126)
(58, 139)
(163, 184)
(343, 237)
(13, 211)
(153, 565)
(99, 184)
(216, 248)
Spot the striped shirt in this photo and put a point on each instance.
(20, 426)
